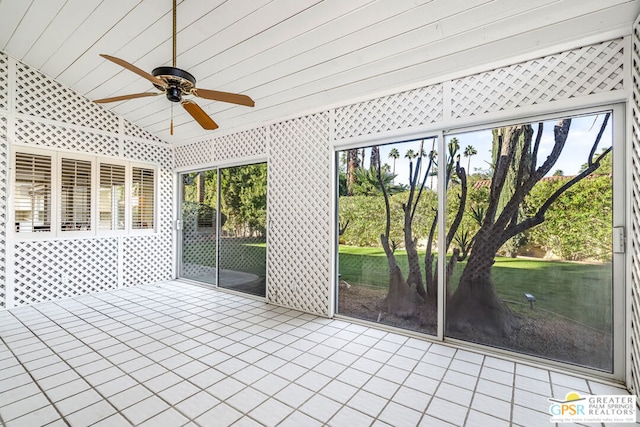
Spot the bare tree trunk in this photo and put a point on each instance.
(374, 159)
(352, 164)
(475, 306)
(404, 297)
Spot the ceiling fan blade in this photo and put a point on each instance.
(138, 71)
(234, 98)
(199, 115)
(125, 97)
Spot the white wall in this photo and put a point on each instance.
(36, 111)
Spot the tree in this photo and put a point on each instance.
(410, 155)
(395, 155)
(405, 296)
(408, 297)
(475, 308)
(374, 159)
(352, 164)
(368, 184)
(243, 191)
(516, 171)
(469, 151)
(558, 172)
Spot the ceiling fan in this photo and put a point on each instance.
(176, 83)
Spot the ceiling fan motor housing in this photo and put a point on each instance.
(179, 82)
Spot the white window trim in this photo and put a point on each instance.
(11, 205)
(129, 191)
(127, 180)
(57, 178)
(56, 191)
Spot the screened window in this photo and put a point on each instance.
(142, 198)
(32, 193)
(75, 195)
(112, 197)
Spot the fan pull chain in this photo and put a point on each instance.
(171, 124)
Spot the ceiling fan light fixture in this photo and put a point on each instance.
(174, 94)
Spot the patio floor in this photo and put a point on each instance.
(177, 354)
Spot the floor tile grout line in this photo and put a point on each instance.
(205, 390)
(31, 376)
(99, 310)
(118, 411)
(74, 369)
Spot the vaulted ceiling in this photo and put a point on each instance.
(290, 56)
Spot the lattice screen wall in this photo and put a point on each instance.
(299, 235)
(149, 259)
(635, 209)
(299, 159)
(3, 204)
(4, 62)
(577, 73)
(249, 143)
(41, 112)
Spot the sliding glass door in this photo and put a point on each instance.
(199, 233)
(530, 215)
(223, 227)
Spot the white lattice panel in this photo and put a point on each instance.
(40, 96)
(586, 71)
(137, 132)
(147, 259)
(4, 168)
(52, 269)
(50, 135)
(248, 143)
(162, 155)
(635, 211)
(400, 111)
(198, 153)
(145, 152)
(4, 64)
(299, 185)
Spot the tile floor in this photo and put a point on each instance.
(177, 354)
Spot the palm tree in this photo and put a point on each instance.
(395, 155)
(468, 152)
(410, 154)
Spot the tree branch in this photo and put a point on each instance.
(536, 146)
(539, 217)
(561, 132)
(461, 207)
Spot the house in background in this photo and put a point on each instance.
(92, 197)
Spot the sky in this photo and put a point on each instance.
(582, 134)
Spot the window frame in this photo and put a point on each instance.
(53, 220)
(56, 195)
(127, 178)
(58, 188)
(129, 197)
(621, 278)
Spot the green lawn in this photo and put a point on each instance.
(581, 292)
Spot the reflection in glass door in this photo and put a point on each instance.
(243, 228)
(223, 235)
(199, 226)
(388, 234)
(533, 205)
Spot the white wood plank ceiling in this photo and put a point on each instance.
(290, 56)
